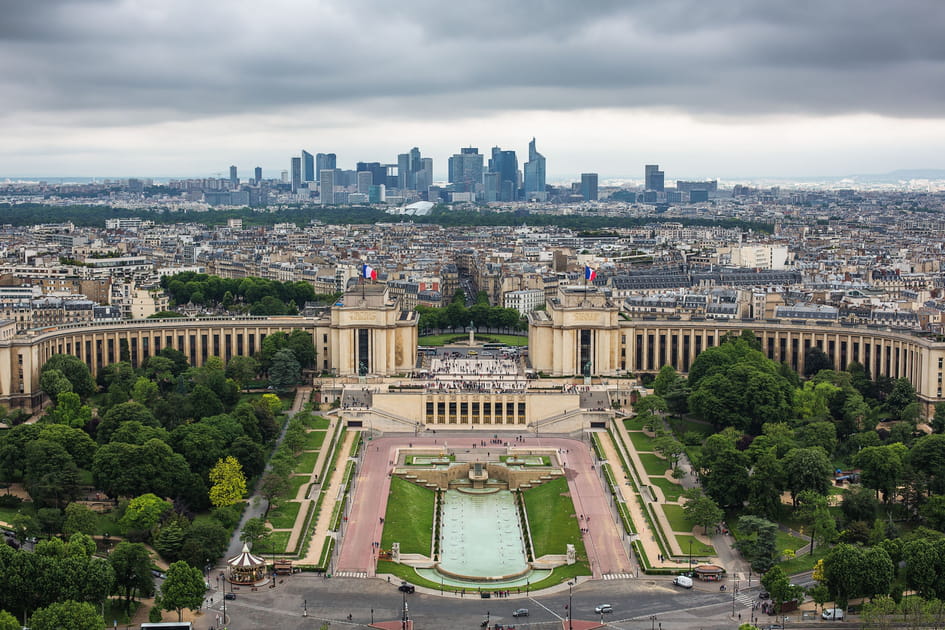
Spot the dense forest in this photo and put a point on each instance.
(255, 296)
(773, 434)
(94, 216)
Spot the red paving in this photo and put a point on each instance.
(604, 549)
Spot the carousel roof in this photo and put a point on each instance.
(245, 560)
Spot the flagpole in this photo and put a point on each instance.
(362, 282)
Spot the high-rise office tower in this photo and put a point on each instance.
(505, 163)
(325, 162)
(257, 175)
(465, 170)
(326, 185)
(534, 174)
(424, 175)
(234, 178)
(491, 185)
(365, 181)
(296, 173)
(403, 170)
(589, 186)
(308, 167)
(654, 178)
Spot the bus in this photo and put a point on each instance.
(493, 346)
(427, 350)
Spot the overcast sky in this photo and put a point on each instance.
(725, 88)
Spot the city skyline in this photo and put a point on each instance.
(735, 90)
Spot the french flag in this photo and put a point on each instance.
(368, 272)
(589, 274)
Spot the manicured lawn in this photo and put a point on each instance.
(315, 422)
(634, 423)
(654, 464)
(803, 563)
(441, 340)
(698, 547)
(551, 518)
(677, 518)
(786, 541)
(509, 340)
(284, 516)
(559, 575)
(314, 440)
(276, 544)
(681, 426)
(641, 441)
(294, 484)
(306, 462)
(671, 490)
(409, 518)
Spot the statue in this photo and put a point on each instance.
(587, 369)
(362, 368)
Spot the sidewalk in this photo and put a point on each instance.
(321, 533)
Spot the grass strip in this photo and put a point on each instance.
(552, 519)
(284, 516)
(409, 517)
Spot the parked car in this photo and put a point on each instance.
(230, 596)
(764, 595)
(683, 581)
(521, 612)
(833, 614)
(406, 588)
(604, 608)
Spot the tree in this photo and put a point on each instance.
(68, 614)
(882, 468)
(902, 395)
(229, 483)
(859, 504)
(814, 511)
(927, 456)
(765, 485)
(670, 448)
(204, 543)
(75, 370)
(183, 588)
(758, 541)
(271, 486)
(145, 391)
(255, 530)
(119, 414)
(50, 474)
(79, 518)
(878, 572)
(924, 566)
(53, 383)
(132, 565)
(242, 370)
(807, 469)
(816, 360)
(285, 372)
(144, 513)
(843, 572)
(8, 621)
(69, 411)
(666, 381)
(303, 347)
(938, 420)
(700, 509)
(778, 585)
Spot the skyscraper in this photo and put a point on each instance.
(365, 181)
(234, 178)
(326, 185)
(589, 186)
(308, 167)
(505, 163)
(654, 177)
(325, 161)
(403, 170)
(424, 176)
(296, 171)
(257, 175)
(465, 170)
(534, 174)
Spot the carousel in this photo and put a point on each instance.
(246, 568)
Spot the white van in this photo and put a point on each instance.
(835, 614)
(683, 581)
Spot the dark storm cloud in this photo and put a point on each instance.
(114, 62)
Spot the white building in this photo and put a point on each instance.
(524, 301)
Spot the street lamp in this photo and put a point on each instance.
(652, 622)
(734, 592)
(404, 619)
(570, 605)
(305, 608)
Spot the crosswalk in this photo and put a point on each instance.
(351, 574)
(618, 576)
(746, 600)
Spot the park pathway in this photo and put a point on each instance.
(333, 493)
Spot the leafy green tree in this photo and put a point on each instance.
(670, 448)
(757, 542)
(119, 414)
(69, 411)
(303, 347)
(724, 470)
(183, 588)
(228, 482)
(882, 468)
(778, 585)
(68, 614)
(814, 510)
(255, 530)
(242, 370)
(666, 381)
(8, 621)
(807, 469)
(50, 475)
(938, 420)
(927, 457)
(204, 543)
(169, 540)
(925, 565)
(144, 513)
(843, 573)
(131, 563)
(901, 396)
(53, 383)
(859, 504)
(75, 370)
(933, 511)
(145, 391)
(700, 509)
(818, 434)
(816, 360)
(878, 572)
(204, 402)
(79, 518)
(765, 486)
(285, 372)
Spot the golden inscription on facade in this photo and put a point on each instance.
(364, 317)
(586, 317)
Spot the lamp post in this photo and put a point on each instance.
(734, 592)
(570, 605)
(652, 622)
(305, 608)
(404, 617)
(372, 616)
